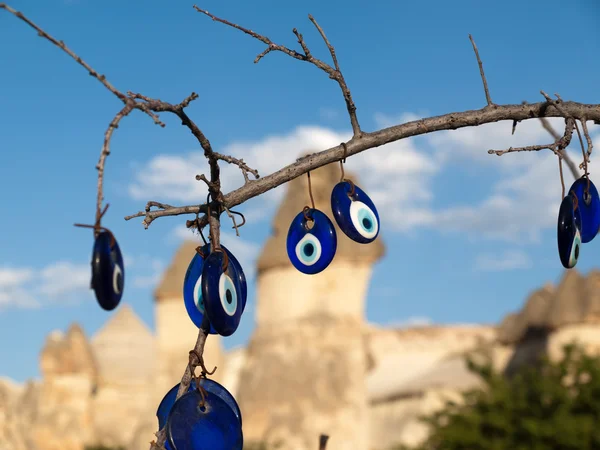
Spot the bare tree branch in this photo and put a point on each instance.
(217, 202)
(334, 72)
(378, 138)
(482, 73)
(147, 105)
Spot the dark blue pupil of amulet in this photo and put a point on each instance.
(588, 204)
(108, 272)
(192, 286)
(194, 424)
(221, 291)
(354, 212)
(311, 241)
(569, 235)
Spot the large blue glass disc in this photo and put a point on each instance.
(108, 271)
(222, 293)
(569, 235)
(311, 249)
(589, 206)
(211, 427)
(354, 213)
(192, 292)
(209, 385)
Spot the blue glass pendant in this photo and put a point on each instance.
(311, 248)
(162, 413)
(589, 206)
(192, 291)
(354, 212)
(108, 271)
(222, 293)
(569, 235)
(212, 426)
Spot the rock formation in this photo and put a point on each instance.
(125, 351)
(305, 363)
(312, 364)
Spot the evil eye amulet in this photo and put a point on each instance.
(311, 248)
(162, 413)
(569, 234)
(192, 291)
(222, 293)
(108, 271)
(589, 207)
(354, 213)
(209, 423)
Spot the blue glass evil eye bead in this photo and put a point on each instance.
(354, 212)
(162, 413)
(589, 207)
(210, 425)
(192, 291)
(569, 234)
(108, 271)
(222, 293)
(311, 248)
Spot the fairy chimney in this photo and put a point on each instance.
(341, 289)
(175, 332)
(305, 366)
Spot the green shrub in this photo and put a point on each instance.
(549, 406)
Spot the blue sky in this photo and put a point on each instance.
(468, 235)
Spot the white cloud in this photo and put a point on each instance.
(63, 278)
(415, 321)
(473, 143)
(526, 199)
(395, 176)
(508, 260)
(398, 177)
(30, 288)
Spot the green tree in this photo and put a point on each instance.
(546, 406)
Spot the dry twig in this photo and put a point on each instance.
(482, 73)
(334, 73)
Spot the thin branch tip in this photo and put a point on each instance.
(482, 73)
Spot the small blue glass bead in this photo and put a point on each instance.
(192, 292)
(108, 271)
(589, 206)
(354, 213)
(222, 293)
(311, 249)
(568, 232)
(162, 413)
(213, 426)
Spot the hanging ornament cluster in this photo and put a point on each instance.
(108, 269)
(215, 286)
(578, 220)
(312, 240)
(206, 417)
